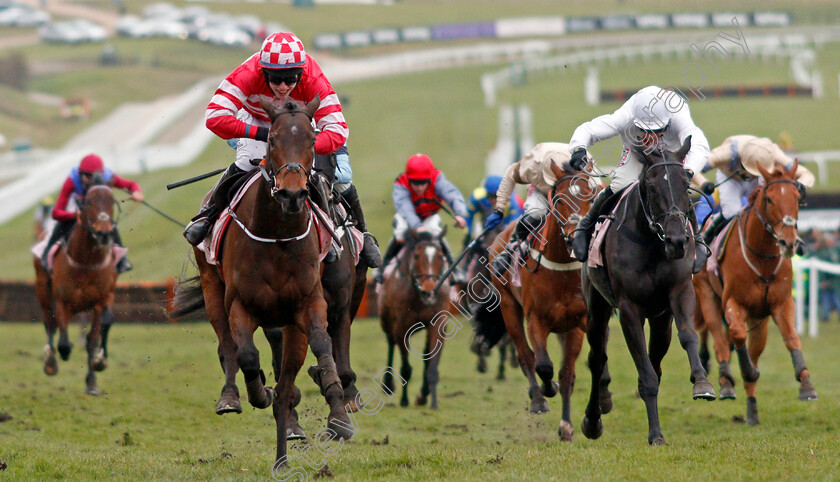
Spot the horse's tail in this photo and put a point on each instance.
(188, 298)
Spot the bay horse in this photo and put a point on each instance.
(755, 283)
(409, 303)
(648, 258)
(83, 279)
(269, 277)
(550, 298)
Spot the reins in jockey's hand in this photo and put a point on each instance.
(466, 250)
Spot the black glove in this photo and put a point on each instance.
(708, 187)
(578, 160)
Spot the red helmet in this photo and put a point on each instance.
(419, 166)
(91, 163)
(282, 50)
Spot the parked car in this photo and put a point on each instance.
(72, 32)
(23, 16)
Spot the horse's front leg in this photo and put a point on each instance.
(340, 335)
(785, 317)
(275, 340)
(709, 313)
(431, 375)
(63, 315)
(572, 343)
(513, 316)
(242, 327)
(96, 358)
(736, 319)
(288, 354)
(682, 302)
(538, 332)
(634, 334)
(314, 317)
(597, 324)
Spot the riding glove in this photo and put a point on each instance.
(578, 160)
(493, 220)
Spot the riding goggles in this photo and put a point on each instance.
(283, 76)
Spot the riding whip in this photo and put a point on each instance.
(459, 258)
(179, 223)
(194, 179)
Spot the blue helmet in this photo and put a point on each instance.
(491, 184)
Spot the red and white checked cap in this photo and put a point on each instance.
(282, 50)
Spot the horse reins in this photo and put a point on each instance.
(674, 211)
(88, 227)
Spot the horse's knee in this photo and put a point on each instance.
(648, 388)
(249, 362)
(545, 371)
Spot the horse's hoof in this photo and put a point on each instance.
(341, 426)
(727, 391)
(420, 400)
(606, 403)
(295, 434)
(539, 406)
(703, 390)
(349, 405)
(752, 411)
(551, 389)
(500, 376)
(50, 365)
(566, 431)
(808, 395)
(482, 366)
(92, 391)
(591, 432)
(98, 363)
(404, 402)
(658, 440)
(228, 406)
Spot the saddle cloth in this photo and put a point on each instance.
(718, 248)
(596, 245)
(118, 252)
(212, 245)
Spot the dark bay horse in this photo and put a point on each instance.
(83, 279)
(408, 304)
(754, 284)
(485, 316)
(648, 257)
(550, 299)
(272, 280)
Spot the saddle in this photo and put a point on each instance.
(117, 252)
(718, 247)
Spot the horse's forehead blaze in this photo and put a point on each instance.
(430, 253)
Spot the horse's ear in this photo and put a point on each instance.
(312, 106)
(683, 151)
(269, 108)
(793, 168)
(412, 234)
(442, 232)
(764, 172)
(557, 170)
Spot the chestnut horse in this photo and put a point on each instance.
(409, 303)
(648, 257)
(550, 298)
(83, 279)
(272, 280)
(754, 284)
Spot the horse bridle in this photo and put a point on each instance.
(417, 279)
(269, 174)
(656, 223)
(786, 220)
(572, 220)
(100, 236)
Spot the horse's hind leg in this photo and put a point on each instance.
(275, 340)
(500, 374)
(785, 317)
(341, 351)
(45, 299)
(682, 306)
(572, 342)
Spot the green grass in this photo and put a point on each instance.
(156, 421)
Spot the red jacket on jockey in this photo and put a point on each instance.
(429, 202)
(243, 87)
(73, 185)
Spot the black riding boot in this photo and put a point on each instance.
(527, 223)
(370, 251)
(393, 248)
(61, 230)
(123, 265)
(200, 225)
(715, 226)
(701, 249)
(583, 233)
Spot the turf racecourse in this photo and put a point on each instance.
(155, 418)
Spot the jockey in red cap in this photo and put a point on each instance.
(90, 171)
(419, 193)
(280, 70)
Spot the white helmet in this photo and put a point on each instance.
(651, 111)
